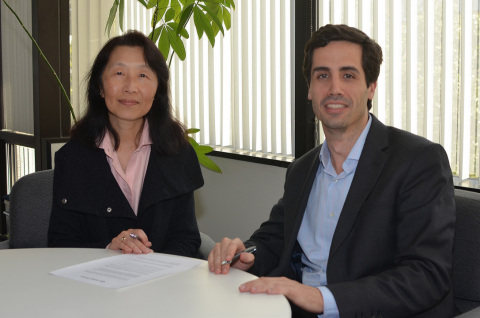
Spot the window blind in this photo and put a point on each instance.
(239, 93)
(429, 80)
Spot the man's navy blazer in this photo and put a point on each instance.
(391, 254)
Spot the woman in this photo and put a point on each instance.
(125, 180)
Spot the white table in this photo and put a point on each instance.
(28, 290)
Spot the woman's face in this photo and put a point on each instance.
(129, 86)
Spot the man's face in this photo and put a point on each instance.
(338, 89)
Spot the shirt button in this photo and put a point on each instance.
(109, 209)
(332, 214)
(64, 201)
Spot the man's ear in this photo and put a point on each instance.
(371, 90)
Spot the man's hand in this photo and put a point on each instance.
(224, 251)
(306, 297)
(131, 241)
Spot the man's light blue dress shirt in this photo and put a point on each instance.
(325, 204)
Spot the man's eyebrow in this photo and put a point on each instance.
(343, 68)
(320, 69)
(350, 68)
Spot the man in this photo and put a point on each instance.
(365, 227)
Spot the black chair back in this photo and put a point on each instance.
(466, 255)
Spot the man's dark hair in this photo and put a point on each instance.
(166, 132)
(371, 52)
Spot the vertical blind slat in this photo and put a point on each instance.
(465, 93)
(447, 75)
(264, 72)
(243, 73)
(379, 27)
(395, 64)
(236, 84)
(212, 100)
(256, 132)
(283, 68)
(200, 70)
(274, 81)
(324, 14)
(429, 59)
(411, 68)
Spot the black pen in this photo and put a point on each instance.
(251, 249)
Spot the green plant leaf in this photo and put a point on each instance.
(187, 2)
(192, 130)
(155, 34)
(219, 13)
(198, 21)
(185, 17)
(192, 142)
(227, 19)
(202, 23)
(169, 15)
(208, 163)
(161, 9)
(183, 32)
(176, 43)
(203, 149)
(111, 17)
(164, 42)
(202, 158)
(212, 1)
(151, 4)
(121, 8)
(175, 5)
(213, 16)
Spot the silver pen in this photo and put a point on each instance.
(251, 249)
(134, 236)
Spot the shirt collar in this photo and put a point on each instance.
(108, 146)
(354, 154)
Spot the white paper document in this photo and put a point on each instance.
(127, 269)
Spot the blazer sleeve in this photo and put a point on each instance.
(183, 237)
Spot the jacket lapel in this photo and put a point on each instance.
(305, 181)
(370, 166)
(169, 176)
(303, 199)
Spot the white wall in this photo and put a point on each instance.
(236, 202)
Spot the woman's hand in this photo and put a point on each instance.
(131, 241)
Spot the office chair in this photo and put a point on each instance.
(30, 207)
(207, 245)
(466, 255)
